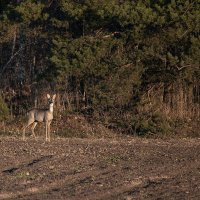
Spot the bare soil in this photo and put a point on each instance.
(109, 169)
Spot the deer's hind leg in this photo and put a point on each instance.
(33, 128)
(26, 126)
(46, 130)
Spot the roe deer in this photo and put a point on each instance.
(36, 115)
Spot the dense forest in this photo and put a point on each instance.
(131, 65)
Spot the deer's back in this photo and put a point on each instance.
(40, 115)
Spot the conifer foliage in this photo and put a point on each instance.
(118, 60)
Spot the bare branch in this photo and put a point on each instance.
(11, 58)
(109, 35)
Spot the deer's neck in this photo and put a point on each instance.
(51, 108)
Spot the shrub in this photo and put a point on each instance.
(154, 125)
(4, 111)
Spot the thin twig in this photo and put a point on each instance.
(180, 68)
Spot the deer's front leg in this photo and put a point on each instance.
(49, 123)
(46, 130)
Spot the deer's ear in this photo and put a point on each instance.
(54, 96)
(48, 96)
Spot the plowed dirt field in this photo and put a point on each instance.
(107, 169)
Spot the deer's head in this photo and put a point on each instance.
(51, 100)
